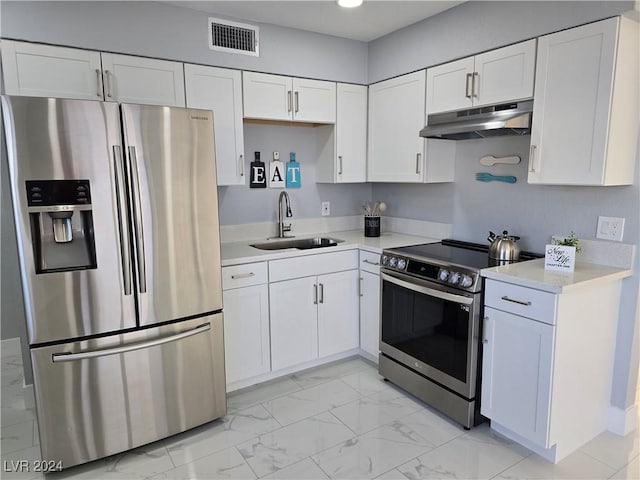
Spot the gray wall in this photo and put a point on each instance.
(533, 212)
(166, 31)
(476, 26)
(240, 204)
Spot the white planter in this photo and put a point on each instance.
(559, 258)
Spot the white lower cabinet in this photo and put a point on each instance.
(370, 303)
(246, 321)
(516, 373)
(314, 316)
(294, 329)
(338, 313)
(548, 363)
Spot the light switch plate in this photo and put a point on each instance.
(610, 228)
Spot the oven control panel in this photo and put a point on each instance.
(453, 276)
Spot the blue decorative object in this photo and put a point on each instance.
(487, 177)
(294, 179)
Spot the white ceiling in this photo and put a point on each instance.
(373, 19)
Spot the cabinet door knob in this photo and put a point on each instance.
(288, 100)
(242, 165)
(297, 103)
(340, 164)
(107, 74)
(467, 85)
(418, 158)
(99, 79)
(485, 320)
(243, 275)
(519, 302)
(473, 84)
(532, 152)
(315, 294)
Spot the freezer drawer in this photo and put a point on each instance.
(103, 396)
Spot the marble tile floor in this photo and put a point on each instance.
(339, 421)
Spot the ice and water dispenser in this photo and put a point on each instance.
(61, 225)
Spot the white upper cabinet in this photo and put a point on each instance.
(449, 86)
(497, 76)
(396, 151)
(44, 71)
(220, 90)
(275, 97)
(129, 79)
(314, 101)
(351, 133)
(585, 112)
(343, 149)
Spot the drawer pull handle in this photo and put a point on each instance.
(377, 264)
(243, 275)
(519, 302)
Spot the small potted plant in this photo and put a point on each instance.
(561, 254)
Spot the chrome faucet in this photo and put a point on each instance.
(282, 228)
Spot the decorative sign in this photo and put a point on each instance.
(293, 172)
(258, 177)
(276, 172)
(559, 257)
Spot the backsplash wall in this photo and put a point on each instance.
(533, 212)
(241, 204)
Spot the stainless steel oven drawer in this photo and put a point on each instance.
(103, 396)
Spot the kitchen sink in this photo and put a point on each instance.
(299, 243)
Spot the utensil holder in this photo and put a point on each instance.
(371, 226)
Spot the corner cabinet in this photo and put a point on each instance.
(245, 296)
(220, 90)
(49, 71)
(497, 76)
(316, 315)
(534, 386)
(396, 151)
(276, 97)
(585, 112)
(343, 148)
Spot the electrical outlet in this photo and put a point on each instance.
(326, 209)
(276, 155)
(610, 228)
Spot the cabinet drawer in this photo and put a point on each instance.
(523, 301)
(370, 262)
(312, 265)
(244, 275)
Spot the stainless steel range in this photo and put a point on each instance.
(430, 339)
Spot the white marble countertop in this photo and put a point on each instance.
(236, 253)
(533, 275)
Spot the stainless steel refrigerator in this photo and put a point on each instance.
(117, 222)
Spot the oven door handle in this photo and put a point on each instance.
(427, 291)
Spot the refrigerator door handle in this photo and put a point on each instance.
(125, 252)
(71, 357)
(137, 220)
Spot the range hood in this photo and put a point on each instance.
(493, 121)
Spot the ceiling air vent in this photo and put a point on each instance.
(233, 37)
